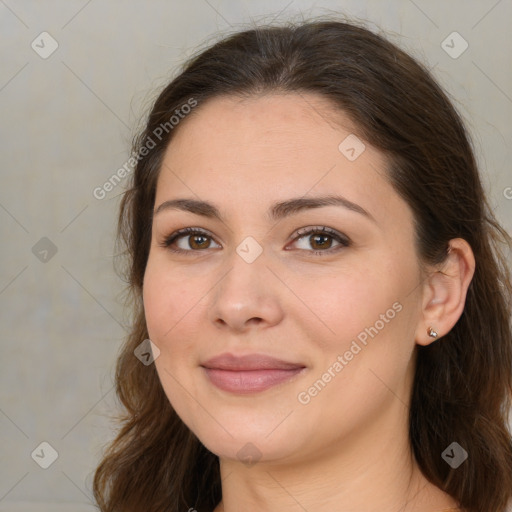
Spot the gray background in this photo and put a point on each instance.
(66, 125)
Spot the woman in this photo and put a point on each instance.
(311, 253)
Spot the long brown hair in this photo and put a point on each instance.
(463, 384)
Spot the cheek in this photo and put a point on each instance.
(167, 299)
(367, 314)
(363, 366)
(343, 304)
(158, 307)
(174, 308)
(169, 307)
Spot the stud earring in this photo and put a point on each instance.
(432, 333)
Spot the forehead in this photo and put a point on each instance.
(270, 119)
(257, 150)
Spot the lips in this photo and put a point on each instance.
(249, 362)
(250, 373)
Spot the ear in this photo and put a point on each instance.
(444, 292)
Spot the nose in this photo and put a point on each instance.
(247, 296)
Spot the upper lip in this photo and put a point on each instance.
(248, 362)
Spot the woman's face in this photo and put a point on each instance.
(340, 307)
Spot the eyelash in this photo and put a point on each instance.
(323, 230)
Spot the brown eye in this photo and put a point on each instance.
(190, 240)
(198, 241)
(321, 240)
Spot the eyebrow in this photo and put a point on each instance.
(276, 212)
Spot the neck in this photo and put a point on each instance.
(372, 470)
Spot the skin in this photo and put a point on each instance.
(347, 448)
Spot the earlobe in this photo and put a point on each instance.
(445, 293)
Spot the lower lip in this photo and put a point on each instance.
(249, 381)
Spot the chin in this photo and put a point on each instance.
(248, 449)
(240, 432)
